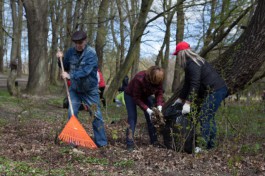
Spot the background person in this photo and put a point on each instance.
(101, 87)
(201, 80)
(140, 88)
(81, 65)
(124, 84)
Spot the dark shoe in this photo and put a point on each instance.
(130, 148)
(158, 145)
(103, 146)
(73, 145)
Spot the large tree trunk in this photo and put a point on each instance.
(244, 58)
(36, 13)
(69, 21)
(91, 22)
(1, 38)
(101, 31)
(19, 36)
(122, 31)
(135, 65)
(14, 51)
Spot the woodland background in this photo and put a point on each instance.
(128, 36)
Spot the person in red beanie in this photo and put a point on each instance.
(201, 82)
(101, 87)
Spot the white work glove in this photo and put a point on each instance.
(159, 108)
(186, 108)
(178, 101)
(149, 111)
(65, 75)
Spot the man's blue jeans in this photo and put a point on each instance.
(132, 120)
(90, 98)
(208, 110)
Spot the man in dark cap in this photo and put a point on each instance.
(81, 65)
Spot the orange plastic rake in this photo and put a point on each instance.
(73, 131)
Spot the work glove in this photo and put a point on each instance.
(186, 108)
(65, 75)
(178, 101)
(159, 108)
(59, 54)
(150, 112)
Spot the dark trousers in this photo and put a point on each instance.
(101, 96)
(132, 120)
(208, 109)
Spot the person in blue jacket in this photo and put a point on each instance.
(81, 65)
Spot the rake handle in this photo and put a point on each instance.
(66, 86)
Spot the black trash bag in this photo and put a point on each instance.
(178, 133)
(65, 103)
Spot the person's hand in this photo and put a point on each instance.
(65, 75)
(186, 108)
(59, 54)
(178, 101)
(159, 108)
(149, 111)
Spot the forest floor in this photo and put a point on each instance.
(29, 127)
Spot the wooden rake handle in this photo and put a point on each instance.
(66, 86)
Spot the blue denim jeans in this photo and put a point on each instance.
(89, 98)
(132, 120)
(208, 110)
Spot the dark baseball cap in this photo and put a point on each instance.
(79, 35)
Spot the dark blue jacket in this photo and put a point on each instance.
(82, 68)
(200, 80)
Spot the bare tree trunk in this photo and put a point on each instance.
(69, 30)
(37, 13)
(135, 65)
(55, 16)
(1, 38)
(77, 15)
(208, 35)
(115, 39)
(83, 15)
(19, 35)
(179, 36)
(102, 30)
(91, 23)
(135, 42)
(14, 51)
(119, 45)
(133, 12)
(168, 22)
(122, 36)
